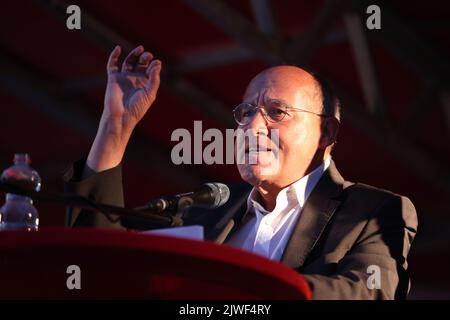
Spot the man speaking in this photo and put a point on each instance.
(340, 235)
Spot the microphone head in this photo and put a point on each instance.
(220, 192)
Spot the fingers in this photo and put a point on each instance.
(153, 73)
(143, 62)
(136, 61)
(113, 65)
(132, 58)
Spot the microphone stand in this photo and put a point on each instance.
(138, 223)
(151, 220)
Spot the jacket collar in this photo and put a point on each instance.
(317, 212)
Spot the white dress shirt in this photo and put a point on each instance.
(267, 233)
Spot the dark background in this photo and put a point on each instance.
(393, 83)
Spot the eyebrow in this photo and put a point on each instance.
(268, 99)
(277, 100)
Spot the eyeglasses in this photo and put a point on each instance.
(273, 111)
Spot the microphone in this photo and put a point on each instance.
(209, 195)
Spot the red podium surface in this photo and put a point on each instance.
(128, 265)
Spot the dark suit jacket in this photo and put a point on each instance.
(343, 231)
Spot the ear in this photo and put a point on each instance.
(330, 129)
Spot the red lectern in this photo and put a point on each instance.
(128, 265)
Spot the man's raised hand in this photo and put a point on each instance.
(132, 88)
(130, 92)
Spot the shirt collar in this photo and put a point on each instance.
(296, 193)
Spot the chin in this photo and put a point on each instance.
(254, 174)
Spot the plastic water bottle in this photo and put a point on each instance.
(18, 212)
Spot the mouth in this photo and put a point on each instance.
(256, 150)
(260, 157)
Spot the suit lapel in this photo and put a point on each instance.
(316, 213)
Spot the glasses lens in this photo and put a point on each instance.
(243, 114)
(276, 110)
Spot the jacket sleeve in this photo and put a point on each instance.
(102, 187)
(376, 265)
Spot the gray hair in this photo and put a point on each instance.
(331, 105)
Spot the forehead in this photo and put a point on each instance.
(292, 88)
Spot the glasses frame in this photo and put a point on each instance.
(268, 118)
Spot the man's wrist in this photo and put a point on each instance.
(109, 147)
(117, 128)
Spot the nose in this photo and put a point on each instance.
(258, 122)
